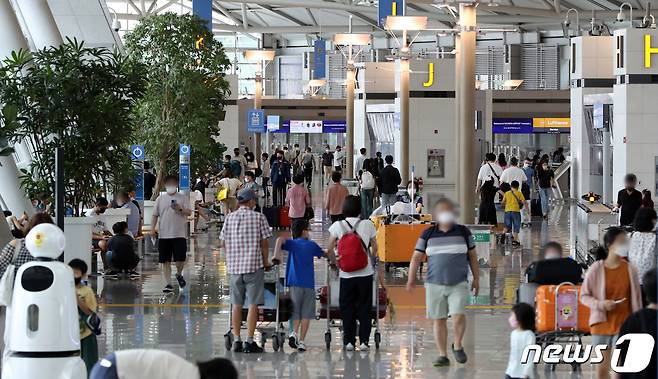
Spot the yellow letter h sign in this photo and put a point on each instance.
(648, 50)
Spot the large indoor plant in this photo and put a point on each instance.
(78, 98)
(186, 89)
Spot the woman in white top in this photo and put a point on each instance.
(232, 184)
(356, 287)
(522, 321)
(642, 250)
(367, 183)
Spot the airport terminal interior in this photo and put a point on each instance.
(328, 189)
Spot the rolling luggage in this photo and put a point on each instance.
(535, 208)
(334, 312)
(554, 271)
(272, 215)
(284, 219)
(559, 309)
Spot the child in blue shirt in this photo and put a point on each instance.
(300, 277)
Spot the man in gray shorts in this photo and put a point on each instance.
(450, 250)
(245, 239)
(300, 277)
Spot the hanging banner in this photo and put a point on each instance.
(387, 8)
(184, 167)
(137, 158)
(255, 121)
(320, 59)
(203, 9)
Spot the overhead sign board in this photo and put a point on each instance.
(203, 9)
(273, 123)
(255, 121)
(531, 125)
(320, 59)
(512, 125)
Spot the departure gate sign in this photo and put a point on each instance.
(531, 125)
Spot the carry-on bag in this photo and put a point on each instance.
(559, 309)
(284, 219)
(272, 215)
(554, 271)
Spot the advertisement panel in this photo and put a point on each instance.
(306, 126)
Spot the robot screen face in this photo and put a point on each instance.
(37, 278)
(45, 241)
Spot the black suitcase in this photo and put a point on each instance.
(272, 215)
(554, 271)
(535, 208)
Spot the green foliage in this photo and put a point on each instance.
(186, 89)
(81, 99)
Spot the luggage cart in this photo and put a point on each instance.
(565, 330)
(329, 307)
(272, 315)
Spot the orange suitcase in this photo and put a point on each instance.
(559, 309)
(396, 242)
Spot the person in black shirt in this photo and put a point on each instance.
(545, 179)
(149, 181)
(644, 321)
(389, 180)
(327, 164)
(629, 200)
(121, 255)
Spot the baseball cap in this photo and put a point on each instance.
(246, 194)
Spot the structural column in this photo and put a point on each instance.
(349, 112)
(11, 193)
(404, 119)
(465, 74)
(38, 19)
(607, 167)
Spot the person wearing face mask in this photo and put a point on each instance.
(172, 210)
(522, 322)
(450, 251)
(629, 200)
(546, 183)
(232, 184)
(280, 174)
(611, 290)
(100, 231)
(266, 168)
(134, 219)
(339, 157)
(642, 251)
(327, 164)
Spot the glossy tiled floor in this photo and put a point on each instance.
(192, 322)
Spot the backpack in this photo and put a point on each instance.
(236, 167)
(352, 250)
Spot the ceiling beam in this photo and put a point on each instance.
(225, 12)
(167, 5)
(418, 8)
(311, 16)
(134, 7)
(314, 4)
(152, 6)
(245, 24)
(282, 14)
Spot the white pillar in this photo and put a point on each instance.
(465, 76)
(38, 19)
(10, 30)
(349, 112)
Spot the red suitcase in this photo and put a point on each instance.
(284, 219)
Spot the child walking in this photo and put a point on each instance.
(300, 277)
(513, 201)
(522, 321)
(86, 305)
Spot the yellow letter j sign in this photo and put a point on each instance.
(430, 77)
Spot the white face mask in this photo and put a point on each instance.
(622, 250)
(120, 203)
(171, 189)
(445, 217)
(526, 165)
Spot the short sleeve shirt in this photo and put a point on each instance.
(365, 230)
(447, 254)
(171, 223)
(512, 198)
(99, 225)
(490, 171)
(89, 298)
(629, 204)
(299, 269)
(242, 234)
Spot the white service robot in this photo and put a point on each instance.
(44, 340)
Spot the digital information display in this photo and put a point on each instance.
(531, 125)
(305, 127)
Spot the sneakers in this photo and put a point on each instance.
(111, 274)
(251, 347)
(364, 347)
(134, 274)
(168, 289)
(460, 355)
(441, 362)
(181, 280)
(237, 347)
(301, 347)
(292, 341)
(516, 243)
(349, 347)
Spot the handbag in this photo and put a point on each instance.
(7, 280)
(309, 213)
(222, 194)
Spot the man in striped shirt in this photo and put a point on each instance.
(450, 250)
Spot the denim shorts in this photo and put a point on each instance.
(513, 221)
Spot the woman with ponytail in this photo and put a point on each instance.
(612, 292)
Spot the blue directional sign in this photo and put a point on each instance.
(387, 8)
(320, 59)
(184, 152)
(203, 9)
(137, 158)
(256, 121)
